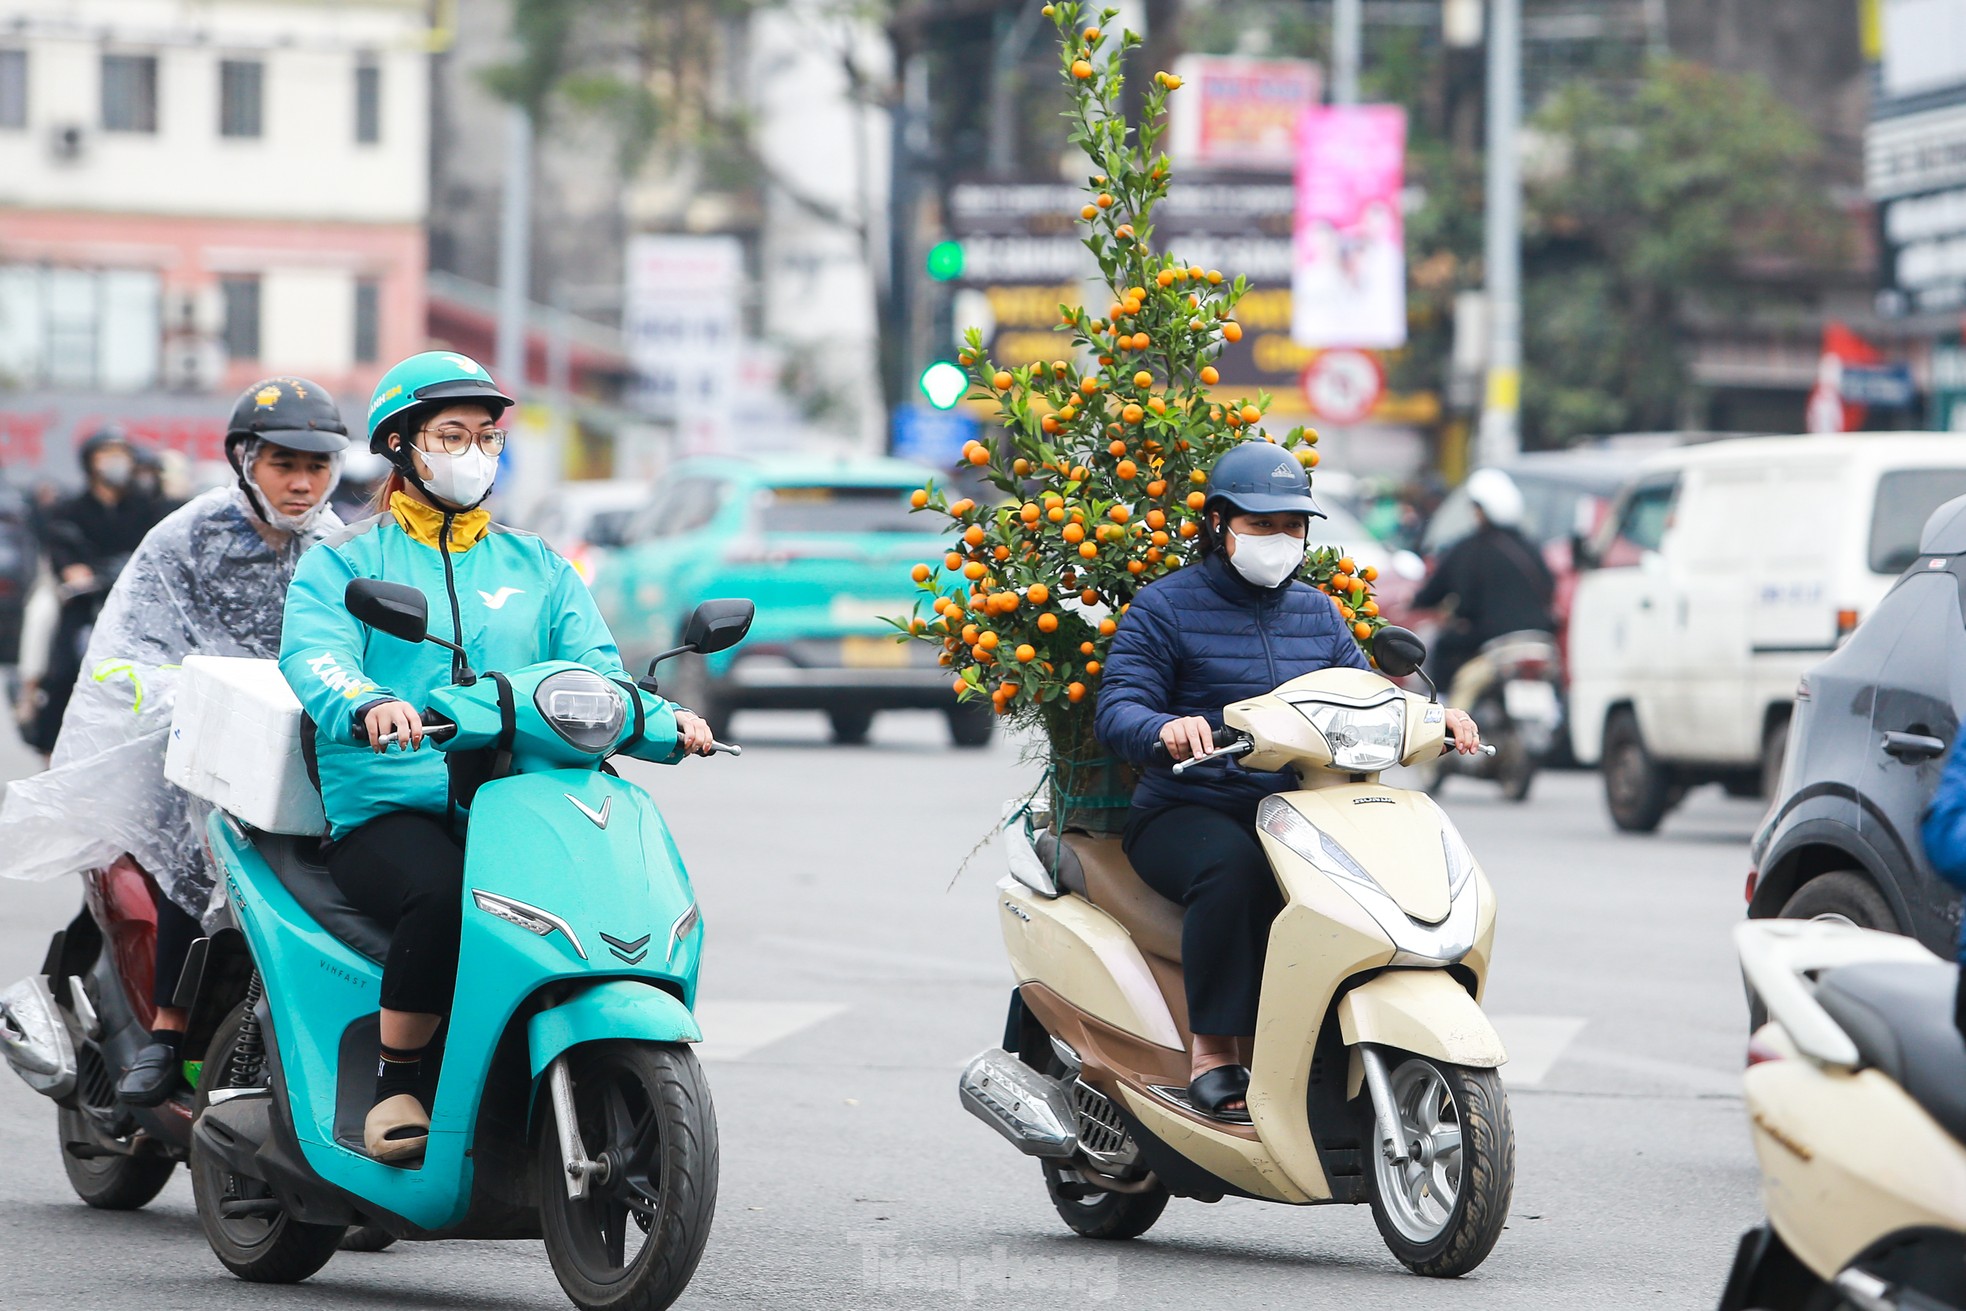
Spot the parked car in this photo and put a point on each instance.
(584, 520)
(1866, 742)
(1723, 574)
(824, 548)
(19, 559)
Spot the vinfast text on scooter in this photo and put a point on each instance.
(1374, 1073)
(569, 1103)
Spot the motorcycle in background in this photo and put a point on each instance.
(1513, 690)
(1856, 1099)
(70, 1031)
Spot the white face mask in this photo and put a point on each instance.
(115, 470)
(1267, 560)
(460, 480)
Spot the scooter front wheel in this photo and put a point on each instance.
(645, 1114)
(1441, 1208)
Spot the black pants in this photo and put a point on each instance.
(1212, 864)
(406, 871)
(176, 931)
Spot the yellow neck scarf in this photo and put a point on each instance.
(424, 523)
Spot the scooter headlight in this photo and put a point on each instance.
(1280, 820)
(1365, 740)
(530, 918)
(1460, 860)
(584, 708)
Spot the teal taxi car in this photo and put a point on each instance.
(824, 548)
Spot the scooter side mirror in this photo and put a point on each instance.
(392, 608)
(718, 625)
(1399, 651)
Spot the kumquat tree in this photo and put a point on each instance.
(1100, 455)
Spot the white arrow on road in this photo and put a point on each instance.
(733, 1030)
(1535, 1043)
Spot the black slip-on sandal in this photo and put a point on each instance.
(1219, 1086)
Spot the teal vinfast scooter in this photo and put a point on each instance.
(568, 1103)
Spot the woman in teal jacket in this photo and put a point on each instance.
(395, 832)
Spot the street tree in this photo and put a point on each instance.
(1685, 199)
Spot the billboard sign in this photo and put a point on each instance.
(684, 333)
(1023, 256)
(1348, 281)
(1923, 266)
(932, 437)
(1240, 113)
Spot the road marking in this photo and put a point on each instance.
(880, 961)
(1535, 1043)
(733, 1030)
(1700, 1080)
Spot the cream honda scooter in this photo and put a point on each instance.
(1856, 1092)
(1373, 1077)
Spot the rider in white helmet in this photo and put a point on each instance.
(1494, 578)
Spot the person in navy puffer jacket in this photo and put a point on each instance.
(1236, 624)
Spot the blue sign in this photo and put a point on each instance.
(933, 437)
(1886, 385)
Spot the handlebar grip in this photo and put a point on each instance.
(435, 732)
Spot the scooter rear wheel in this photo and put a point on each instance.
(1094, 1212)
(633, 1242)
(109, 1183)
(263, 1248)
(1441, 1210)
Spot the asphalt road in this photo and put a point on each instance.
(851, 971)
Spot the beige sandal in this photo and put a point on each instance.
(397, 1129)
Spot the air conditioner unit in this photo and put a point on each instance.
(192, 364)
(68, 143)
(193, 311)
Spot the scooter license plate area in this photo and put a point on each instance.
(1530, 701)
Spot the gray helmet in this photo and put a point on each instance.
(1260, 478)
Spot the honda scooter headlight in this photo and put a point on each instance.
(1280, 820)
(1460, 860)
(584, 708)
(1365, 740)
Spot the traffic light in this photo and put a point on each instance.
(944, 384)
(945, 261)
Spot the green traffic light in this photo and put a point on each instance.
(945, 261)
(944, 384)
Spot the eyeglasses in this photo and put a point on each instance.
(454, 440)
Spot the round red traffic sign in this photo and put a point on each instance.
(1342, 386)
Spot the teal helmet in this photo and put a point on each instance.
(440, 377)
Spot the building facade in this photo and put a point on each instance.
(193, 195)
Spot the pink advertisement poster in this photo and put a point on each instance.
(1348, 283)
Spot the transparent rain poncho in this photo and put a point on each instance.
(204, 582)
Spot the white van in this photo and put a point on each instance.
(1722, 574)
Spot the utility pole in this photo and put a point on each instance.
(515, 251)
(1345, 24)
(1501, 437)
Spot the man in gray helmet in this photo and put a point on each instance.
(211, 579)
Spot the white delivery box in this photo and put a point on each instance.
(235, 741)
